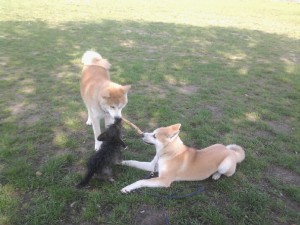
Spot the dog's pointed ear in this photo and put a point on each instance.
(176, 127)
(174, 131)
(103, 137)
(125, 88)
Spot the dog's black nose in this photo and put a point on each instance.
(118, 119)
(142, 135)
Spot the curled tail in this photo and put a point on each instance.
(91, 58)
(239, 152)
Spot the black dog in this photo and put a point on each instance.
(109, 153)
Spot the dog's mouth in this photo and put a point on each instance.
(148, 143)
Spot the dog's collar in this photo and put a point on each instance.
(155, 167)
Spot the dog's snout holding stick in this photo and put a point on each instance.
(138, 130)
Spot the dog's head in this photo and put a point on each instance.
(113, 133)
(114, 99)
(162, 136)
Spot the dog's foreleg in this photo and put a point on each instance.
(139, 165)
(148, 166)
(154, 182)
(89, 120)
(226, 167)
(97, 131)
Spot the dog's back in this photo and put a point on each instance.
(95, 74)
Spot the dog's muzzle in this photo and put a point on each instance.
(148, 143)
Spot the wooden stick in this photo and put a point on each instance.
(138, 130)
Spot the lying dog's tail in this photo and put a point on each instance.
(91, 58)
(239, 152)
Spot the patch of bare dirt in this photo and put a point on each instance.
(280, 127)
(217, 111)
(188, 89)
(284, 175)
(262, 133)
(287, 177)
(149, 89)
(161, 92)
(147, 215)
(4, 60)
(32, 119)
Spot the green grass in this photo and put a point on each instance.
(228, 71)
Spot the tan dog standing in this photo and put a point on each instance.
(174, 161)
(103, 98)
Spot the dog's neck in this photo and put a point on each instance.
(172, 148)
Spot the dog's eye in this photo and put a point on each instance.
(113, 107)
(154, 136)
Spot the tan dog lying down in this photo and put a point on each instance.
(176, 162)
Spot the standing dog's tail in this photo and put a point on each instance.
(91, 58)
(239, 152)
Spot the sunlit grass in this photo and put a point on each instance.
(256, 15)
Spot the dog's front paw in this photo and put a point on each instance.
(89, 122)
(126, 189)
(124, 163)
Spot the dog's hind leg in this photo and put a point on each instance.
(231, 170)
(226, 167)
(148, 166)
(107, 173)
(216, 176)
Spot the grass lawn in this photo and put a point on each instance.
(228, 71)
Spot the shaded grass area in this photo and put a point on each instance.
(225, 85)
